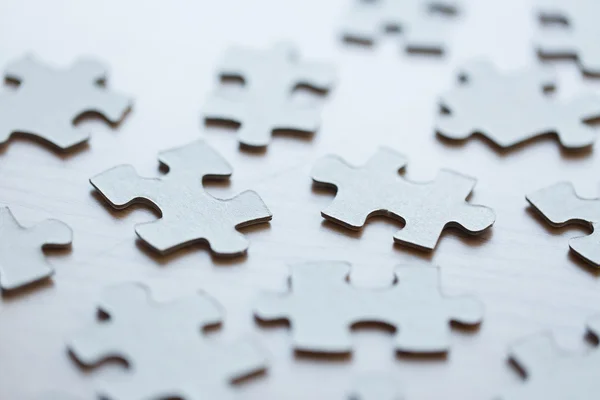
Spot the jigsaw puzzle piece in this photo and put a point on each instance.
(48, 102)
(571, 129)
(422, 230)
(424, 327)
(314, 331)
(348, 209)
(22, 261)
(264, 104)
(188, 213)
(560, 205)
(165, 347)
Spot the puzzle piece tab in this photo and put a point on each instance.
(163, 344)
(322, 307)
(376, 188)
(553, 374)
(48, 101)
(265, 104)
(579, 35)
(416, 19)
(560, 206)
(22, 261)
(189, 213)
(491, 104)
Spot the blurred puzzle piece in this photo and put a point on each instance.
(163, 343)
(322, 306)
(48, 101)
(492, 104)
(265, 104)
(22, 261)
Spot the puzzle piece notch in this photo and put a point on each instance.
(189, 213)
(577, 39)
(22, 261)
(322, 307)
(265, 104)
(163, 345)
(560, 205)
(376, 189)
(491, 104)
(48, 101)
(375, 387)
(553, 374)
(366, 20)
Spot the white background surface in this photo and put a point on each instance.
(165, 55)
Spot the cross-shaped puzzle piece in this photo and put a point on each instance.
(416, 19)
(560, 206)
(377, 189)
(553, 374)
(265, 105)
(48, 101)
(578, 38)
(162, 343)
(22, 261)
(189, 213)
(492, 104)
(322, 307)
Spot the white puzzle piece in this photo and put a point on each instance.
(322, 306)
(48, 101)
(578, 37)
(560, 206)
(376, 188)
(163, 344)
(375, 387)
(416, 19)
(510, 109)
(189, 213)
(22, 261)
(265, 103)
(554, 374)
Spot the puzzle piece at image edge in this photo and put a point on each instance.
(189, 213)
(492, 104)
(376, 188)
(322, 306)
(554, 374)
(22, 261)
(418, 21)
(560, 206)
(48, 101)
(163, 343)
(577, 36)
(375, 387)
(265, 104)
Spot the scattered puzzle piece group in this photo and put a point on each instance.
(165, 345)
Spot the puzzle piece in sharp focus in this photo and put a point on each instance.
(265, 104)
(163, 344)
(552, 374)
(416, 19)
(490, 103)
(375, 387)
(48, 101)
(377, 189)
(578, 37)
(189, 213)
(22, 261)
(560, 206)
(322, 306)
